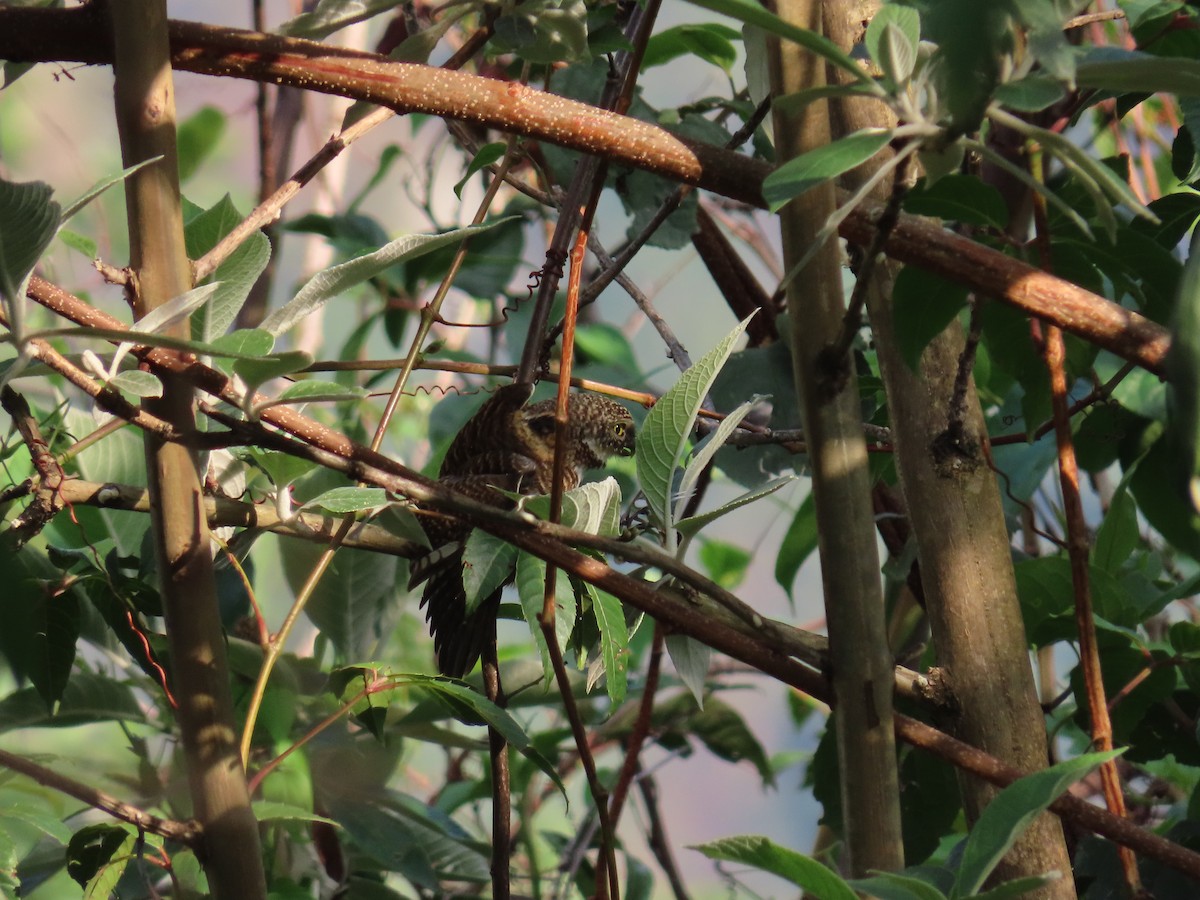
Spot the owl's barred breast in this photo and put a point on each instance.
(505, 446)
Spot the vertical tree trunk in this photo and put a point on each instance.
(145, 107)
(862, 669)
(963, 543)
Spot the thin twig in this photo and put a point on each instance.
(188, 833)
(269, 209)
(1079, 547)
(659, 845)
(641, 726)
(223, 512)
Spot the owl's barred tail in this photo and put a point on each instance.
(458, 638)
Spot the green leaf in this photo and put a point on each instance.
(28, 222)
(761, 853)
(488, 563)
(959, 198)
(704, 455)
(594, 507)
(531, 588)
(333, 15)
(86, 699)
(257, 371)
(269, 811)
(237, 274)
(925, 304)
(137, 382)
(167, 314)
(1163, 497)
(487, 155)
(79, 243)
(312, 391)
(1011, 812)
(1128, 71)
(246, 343)
(892, 39)
(544, 31)
(1096, 178)
(895, 886)
(614, 641)
(17, 808)
(726, 735)
(798, 545)
(804, 172)
(480, 706)
(1118, 535)
(99, 188)
(55, 621)
(198, 136)
(344, 500)
(712, 42)
(725, 563)
(753, 14)
(665, 431)
(354, 603)
(691, 660)
(1044, 32)
(1183, 376)
(1033, 93)
(92, 848)
(326, 285)
(693, 524)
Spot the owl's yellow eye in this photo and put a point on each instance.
(619, 429)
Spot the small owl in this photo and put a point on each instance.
(509, 446)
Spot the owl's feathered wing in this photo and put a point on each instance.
(505, 446)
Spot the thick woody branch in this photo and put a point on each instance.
(41, 35)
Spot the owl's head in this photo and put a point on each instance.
(597, 428)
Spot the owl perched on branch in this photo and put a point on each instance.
(508, 446)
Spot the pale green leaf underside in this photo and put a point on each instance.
(326, 285)
(800, 870)
(664, 434)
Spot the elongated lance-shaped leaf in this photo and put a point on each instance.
(894, 886)
(692, 524)
(326, 285)
(1029, 181)
(804, 172)
(480, 706)
(664, 434)
(1011, 812)
(614, 641)
(99, 188)
(691, 660)
(753, 14)
(1092, 173)
(531, 587)
(694, 468)
(345, 500)
(1128, 71)
(164, 316)
(803, 871)
(1183, 373)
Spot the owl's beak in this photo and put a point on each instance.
(628, 447)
